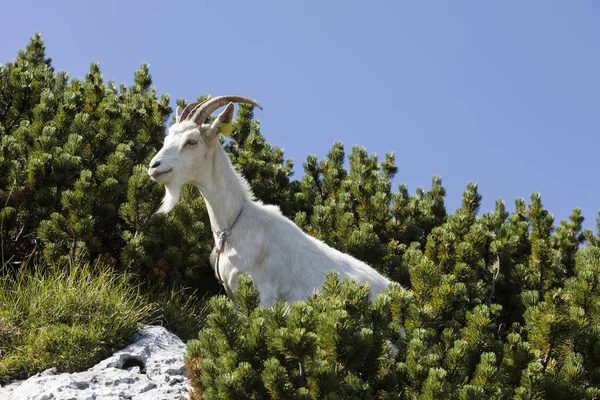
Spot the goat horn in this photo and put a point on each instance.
(188, 110)
(199, 113)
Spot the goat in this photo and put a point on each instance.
(250, 237)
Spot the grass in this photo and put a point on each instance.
(71, 319)
(181, 312)
(65, 319)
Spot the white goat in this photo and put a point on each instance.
(251, 237)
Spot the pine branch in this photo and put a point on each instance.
(301, 373)
(495, 279)
(24, 101)
(544, 362)
(8, 105)
(16, 239)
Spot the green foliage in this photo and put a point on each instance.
(74, 186)
(65, 319)
(356, 211)
(335, 345)
(331, 345)
(70, 147)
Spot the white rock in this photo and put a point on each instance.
(150, 368)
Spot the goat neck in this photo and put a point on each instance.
(224, 194)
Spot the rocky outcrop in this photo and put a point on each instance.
(150, 368)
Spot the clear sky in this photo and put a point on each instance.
(502, 93)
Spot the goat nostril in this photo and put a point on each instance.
(156, 164)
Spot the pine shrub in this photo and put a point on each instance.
(337, 344)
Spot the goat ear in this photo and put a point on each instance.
(227, 115)
(222, 123)
(178, 113)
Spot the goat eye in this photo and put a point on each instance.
(190, 143)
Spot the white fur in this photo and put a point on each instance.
(285, 263)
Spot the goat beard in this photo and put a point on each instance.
(172, 193)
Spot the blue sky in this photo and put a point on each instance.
(505, 94)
